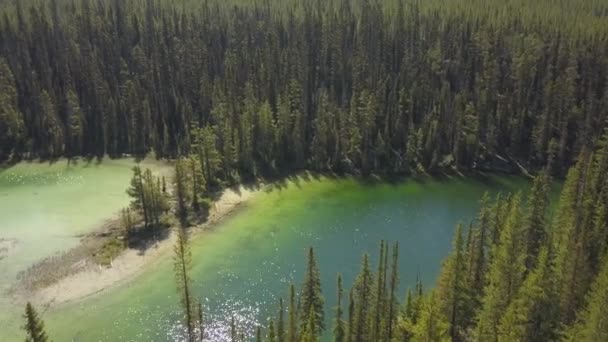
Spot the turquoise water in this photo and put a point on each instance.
(45, 207)
(247, 262)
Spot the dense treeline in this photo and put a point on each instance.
(353, 86)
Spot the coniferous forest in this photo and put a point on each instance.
(272, 86)
(234, 90)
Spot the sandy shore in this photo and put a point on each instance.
(93, 279)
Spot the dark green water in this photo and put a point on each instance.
(248, 261)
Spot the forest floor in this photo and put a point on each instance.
(76, 275)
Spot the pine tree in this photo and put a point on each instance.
(538, 202)
(207, 152)
(155, 200)
(258, 334)
(200, 322)
(309, 333)
(339, 324)
(181, 267)
(311, 296)
(591, 325)
(138, 193)
(452, 294)
(379, 295)
(479, 250)
(75, 124)
(531, 316)
(568, 241)
(293, 317)
(351, 316)
(504, 274)
(393, 304)
(430, 326)
(233, 333)
(272, 337)
(12, 126)
(51, 126)
(181, 192)
(34, 326)
(363, 297)
(198, 183)
(281, 322)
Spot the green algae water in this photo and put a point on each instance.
(243, 265)
(43, 209)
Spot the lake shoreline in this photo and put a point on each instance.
(92, 279)
(89, 278)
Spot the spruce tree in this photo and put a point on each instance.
(569, 239)
(430, 326)
(272, 337)
(181, 193)
(363, 300)
(592, 323)
(309, 333)
(379, 296)
(181, 267)
(200, 322)
(12, 126)
(393, 303)
(281, 322)
(339, 324)
(233, 333)
(531, 316)
(34, 326)
(451, 293)
(351, 316)
(504, 274)
(311, 296)
(292, 335)
(138, 193)
(538, 201)
(480, 246)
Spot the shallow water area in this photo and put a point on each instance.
(44, 207)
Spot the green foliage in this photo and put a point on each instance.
(380, 86)
(148, 198)
(182, 192)
(311, 298)
(430, 327)
(339, 324)
(109, 250)
(272, 337)
(127, 221)
(531, 316)
(292, 335)
(12, 129)
(362, 293)
(281, 322)
(34, 326)
(182, 263)
(204, 145)
(505, 273)
(452, 289)
(591, 325)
